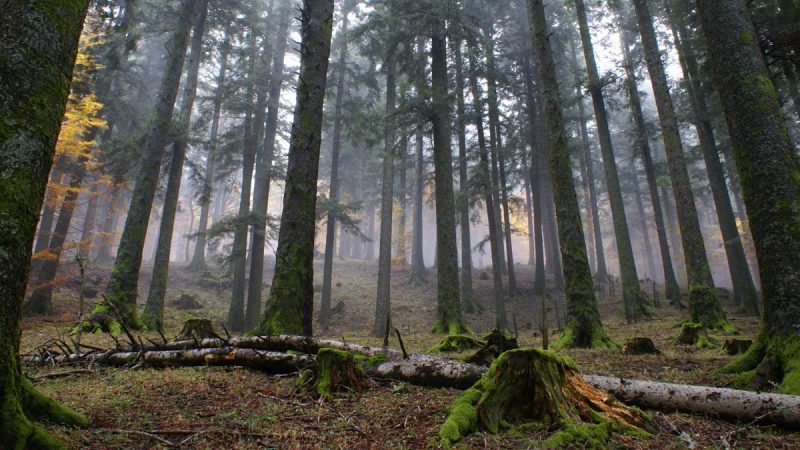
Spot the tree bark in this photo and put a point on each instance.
(263, 172)
(37, 71)
(198, 263)
(672, 291)
(467, 292)
(636, 303)
(486, 189)
(153, 314)
(584, 328)
(122, 290)
(744, 290)
(383, 304)
(704, 304)
(330, 234)
(291, 302)
(448, 298)
(764, 157)
(419, 273)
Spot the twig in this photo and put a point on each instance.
(402, 346)
(65, 373)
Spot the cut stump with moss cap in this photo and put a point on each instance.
(457, 343)
(197, 329)
(532, 385)
(338, 370)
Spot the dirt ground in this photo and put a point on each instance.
(216, 408)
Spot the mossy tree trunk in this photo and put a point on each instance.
(635, 302)
(486, 190)
(37, 71)
(238, 257)
(153, 314)
(383, 309)
(770, 180)
(122, 290)
(744, 289)
(704, 305)
(198, 263)
(583, 328)
(467, 293)
(263, 171)
(330, 232)
(291, 302)
(448, 293)
(587, 175)
(673, 292)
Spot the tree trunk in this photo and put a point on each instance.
(48, 214)
(636, 303)
(765, 160)
(40, 302)
(587, 175)
(263, 172)
(744, 290)
(369, 248)
(673, 292)
(330, 235)
(584, 328)
(198, 263)
(238, 258)
(153, 314)
(109, 224)
(641, 218)
(704, 307)
(448, 299)
(88, 228)
(419, 273)
(33, 94)
(467, 292)
(122, 290)
(291, 302)
(486, 189)
(383, 308)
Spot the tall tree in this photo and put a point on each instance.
(634, 300)
(153, 314)
(122, 289)
(198, 263)
(673, 292)
(291, 302)
(484, 176)
(584, 328)
(448, 294)
(383, 311)
(33, 94)
(744, 290)
(765, 159)
(330, 232)
(264, 169)
(419, 273)
(467, 292)
(704, 307)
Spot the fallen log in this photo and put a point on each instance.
(426, 370)
(730, 404)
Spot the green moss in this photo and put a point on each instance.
(746, 38)
(705, 309)
(462, 420)
(598, 339)
(704, 342)
(449, 327)
(457, 343)
(337, 369)
(778, 353)
(371, 361)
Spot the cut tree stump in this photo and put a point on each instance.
(690, 333)
(197, 329)
(186, 302)
(338, 370)
(496, 343)
(640, 346)
(457, 343)
(533, 385)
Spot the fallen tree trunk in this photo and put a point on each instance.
(426, 370)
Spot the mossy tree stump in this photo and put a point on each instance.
(496, 343)
(197, 329)
(690, 333)
(532, 385)
(337, 370)
(640, 346)
(457, 343)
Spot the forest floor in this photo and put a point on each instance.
(215, 408)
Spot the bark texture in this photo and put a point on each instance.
(291, 301)
(38, 44)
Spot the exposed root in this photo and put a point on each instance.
(773, 359)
